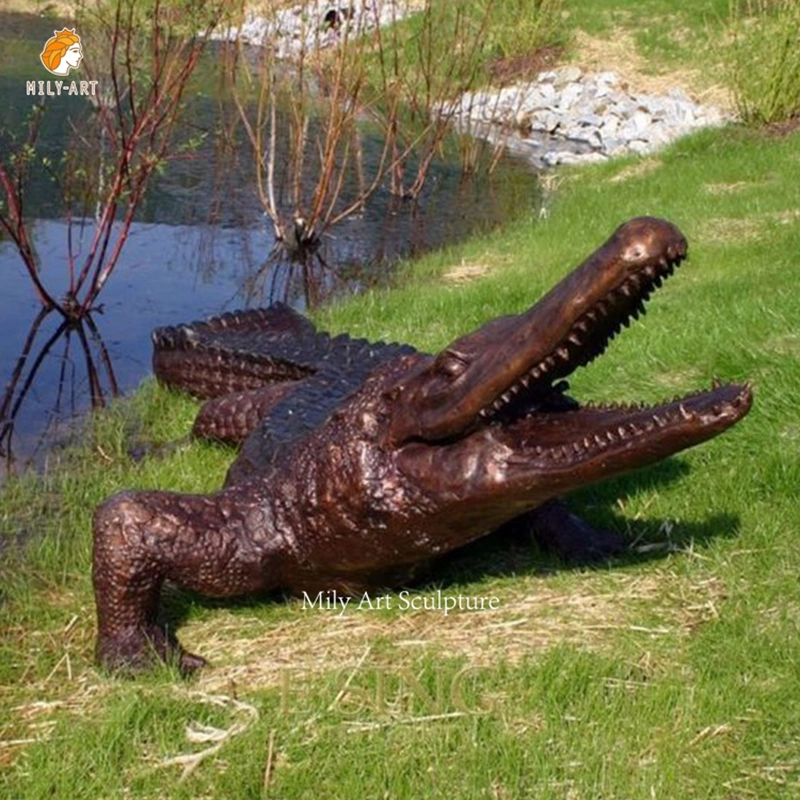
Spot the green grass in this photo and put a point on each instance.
(671, 675)
(668, 675)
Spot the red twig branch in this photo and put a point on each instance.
(138, 118)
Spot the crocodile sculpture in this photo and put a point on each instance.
(364, 463)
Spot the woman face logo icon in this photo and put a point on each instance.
(62, 52)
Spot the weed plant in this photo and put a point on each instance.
(765, 59)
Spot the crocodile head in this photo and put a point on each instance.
(486, 421)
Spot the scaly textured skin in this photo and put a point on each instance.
(370, 461)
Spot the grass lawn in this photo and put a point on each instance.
(668, 674)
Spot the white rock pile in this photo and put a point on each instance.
(564, 116)
(568, 116)
(314, 25)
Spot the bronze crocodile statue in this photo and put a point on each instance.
(364, 462)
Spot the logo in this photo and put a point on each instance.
(62, 52)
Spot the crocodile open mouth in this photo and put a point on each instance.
(588, 337)
(514, 367)
(603, 431)
(535, 417)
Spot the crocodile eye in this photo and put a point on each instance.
(636, 252)
(450, 364)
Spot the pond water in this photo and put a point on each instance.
(199, 246)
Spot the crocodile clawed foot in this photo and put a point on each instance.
(189, 663)
(142, 649)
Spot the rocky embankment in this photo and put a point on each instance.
(567, 116)
(564, 116)
(309, 26)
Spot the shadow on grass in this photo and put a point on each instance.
(510, 550)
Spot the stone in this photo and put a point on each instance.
(613, 146)
(570, 93)
(641, 120)
(589, 120)
(566, 76)
(607, 79)
(302, 27)
(640, 146)
(609, 126)
(551, 121)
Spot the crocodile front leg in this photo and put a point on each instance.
(556, 528)
(213, 545)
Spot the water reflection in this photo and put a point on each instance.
(74, 348)
(200, 245)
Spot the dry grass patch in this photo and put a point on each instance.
(465, 273)
(504, 71)
(620, 54)
(719, 230)
(679, 379)
(792, 433)
(640, 169)
(787, 217)
(722, 230)
(531, 618)
(787, 345)
(733, 188)
(32, 720)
